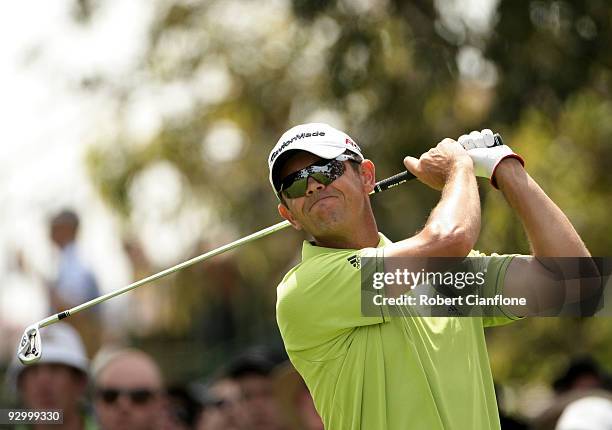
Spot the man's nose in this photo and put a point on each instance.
(313, 186)
(124, 403)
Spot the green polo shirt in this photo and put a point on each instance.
(382, 373)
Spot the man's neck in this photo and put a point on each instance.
(363, 236)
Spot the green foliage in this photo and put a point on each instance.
(308, 9)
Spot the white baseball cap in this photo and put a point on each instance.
(61, 345)
(588, 413)
(318, 138)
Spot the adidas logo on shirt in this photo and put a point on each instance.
(355, 261)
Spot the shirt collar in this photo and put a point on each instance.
(309, 250)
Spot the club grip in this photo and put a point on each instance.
(392, 181)
(402, 177)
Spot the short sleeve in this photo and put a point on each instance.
(495, 266)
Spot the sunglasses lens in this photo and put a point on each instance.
(137, 397)
(324, 174)
(140, 397)
(323, 178)
(296, 189)
(109, 396)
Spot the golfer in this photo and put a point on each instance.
(377, 373)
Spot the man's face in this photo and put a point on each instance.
(262, 409)
(51, 386)
(324, 210)
(307, 411)
(228, 391)
(230, 413)
(128, 395)
(62, 234)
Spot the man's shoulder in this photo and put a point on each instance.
(327, 270)
(325, 263)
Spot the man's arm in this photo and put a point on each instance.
(549, 231)
(453, 226)
(546, 283)
(546, 279)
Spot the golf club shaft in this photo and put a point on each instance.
(383, 185)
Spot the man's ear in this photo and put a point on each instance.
(286, 214)
(368, 175)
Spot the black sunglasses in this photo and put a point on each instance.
(138, 396)
(323, 171)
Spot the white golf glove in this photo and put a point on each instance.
(486, 151)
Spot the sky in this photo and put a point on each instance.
(48, 124)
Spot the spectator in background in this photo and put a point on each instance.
(295, 399)
(181, 409)
(583, 378)
(222, 406)
(58, 380)
(75, 283)
(129, 392)
(583, 373)
(253, 373)
(587, 413)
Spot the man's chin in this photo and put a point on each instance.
(326, 218)
(327, 224)
(325, 201)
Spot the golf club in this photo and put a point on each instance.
(30, 347)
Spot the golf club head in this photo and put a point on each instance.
(30, 347)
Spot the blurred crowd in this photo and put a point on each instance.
(125, 389)
(99, 383)
(581, 400)
(102, 384)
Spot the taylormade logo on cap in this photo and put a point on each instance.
(276, 152)
(350, 142)
(317, 138)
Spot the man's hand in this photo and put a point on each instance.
(486, 153)
(437, 165)
(453, 225)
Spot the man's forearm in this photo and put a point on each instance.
(549, 231)
(458, 212)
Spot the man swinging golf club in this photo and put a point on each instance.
(381, 372)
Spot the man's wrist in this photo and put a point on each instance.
(463, 163)
(509, 169)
